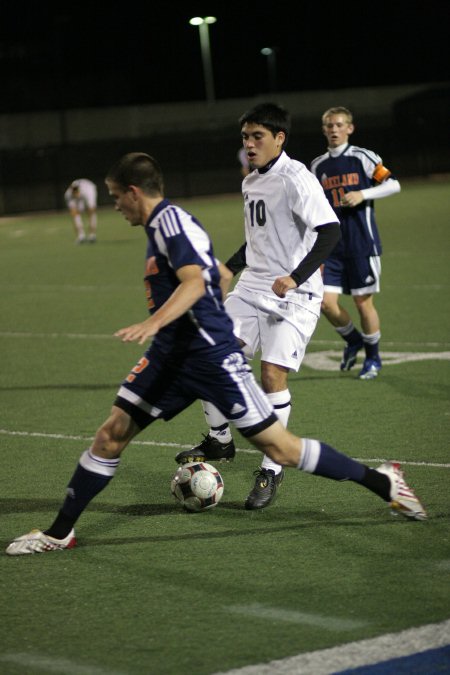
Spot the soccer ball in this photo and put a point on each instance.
(197, 486)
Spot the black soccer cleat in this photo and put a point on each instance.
(264, 490)
(210, 449)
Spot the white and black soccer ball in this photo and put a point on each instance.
(197, 486)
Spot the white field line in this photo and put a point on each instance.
(333, 623)
(106, 336)
(31, 663)
(328, 360)
(100, 287)
(78, 336)
(89, 288)
(167, 444)
(355, 654)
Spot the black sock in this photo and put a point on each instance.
(221, 427)
(61, 526)
(377, 482)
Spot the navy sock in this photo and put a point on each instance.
(333, 464)
(372, 351)
(354, 337)
(83, 487)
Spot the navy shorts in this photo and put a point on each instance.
(161, 386)
(352, 276)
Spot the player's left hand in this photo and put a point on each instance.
(138, 332)
(351, 199)
(282, 285)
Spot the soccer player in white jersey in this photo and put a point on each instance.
(193, 354)
(352, 178)
(80, 197)
(290, 229)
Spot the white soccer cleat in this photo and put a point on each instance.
(38, 542)
(403, 499)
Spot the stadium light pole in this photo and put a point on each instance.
(270, 53)
(203, 28)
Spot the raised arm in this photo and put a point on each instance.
(191, 289)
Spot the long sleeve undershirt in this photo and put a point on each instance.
(328, 236)
(388, 187)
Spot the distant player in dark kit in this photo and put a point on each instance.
(193, 355)
(352, 178)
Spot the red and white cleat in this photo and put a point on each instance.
(38, 542)
(403, 499)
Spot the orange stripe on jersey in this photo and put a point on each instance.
(151, 267)
(381, 173)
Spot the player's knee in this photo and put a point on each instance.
(327, 307)
(274, 378)
(103, 444)
(272, 382)
(364, 304)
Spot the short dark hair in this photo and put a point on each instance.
(270, 115)
(139, 169)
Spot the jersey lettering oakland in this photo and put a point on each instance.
(341, 170)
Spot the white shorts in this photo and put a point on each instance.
(278, 329)
(87, 198)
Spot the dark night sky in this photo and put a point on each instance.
(58, 55)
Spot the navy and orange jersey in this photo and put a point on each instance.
(352, 168)
(176, 239)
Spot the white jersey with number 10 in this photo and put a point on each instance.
(282, 207)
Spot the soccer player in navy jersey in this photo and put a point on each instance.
(193, 355)
(352, 178)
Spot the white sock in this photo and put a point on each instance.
(218, 424)
(372, 339)
(310, 455)
(95, 464)
(345, 330)
(281, 401)
(93, 223)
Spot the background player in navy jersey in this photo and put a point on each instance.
(352, 178)
(290, 229)
(194, 354)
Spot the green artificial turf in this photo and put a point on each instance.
(152, 589)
